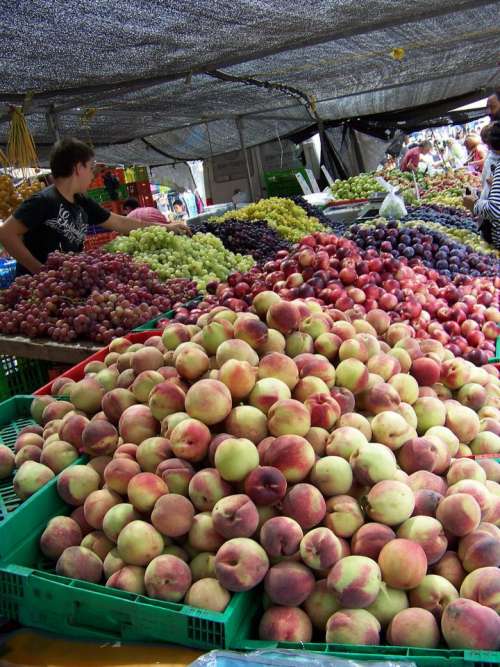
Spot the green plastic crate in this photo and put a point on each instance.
(21, 376)
(422, 657)
(99, 195)
(31, 594)
(496, 358)
(283, 183)
(15, 415)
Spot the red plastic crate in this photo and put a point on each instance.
(143, 188)
(146, 200)
(132, 189)
(97, 240)
(77, 373)
(98, 182)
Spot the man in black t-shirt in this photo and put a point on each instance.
(57, 218)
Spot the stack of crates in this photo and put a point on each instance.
(138, 186)
(100, 194)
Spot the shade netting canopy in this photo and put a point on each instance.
(154, 81)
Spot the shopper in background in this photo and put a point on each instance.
(179, 210)
(490, 163)
(57, 218)
(413, 157)
(493, 105)
(488, 209)
(476, 152)
(455, 153)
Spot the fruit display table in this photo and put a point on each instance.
(37, 649)
(47, 350)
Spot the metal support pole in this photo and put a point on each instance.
(51, 118)
(239, 125)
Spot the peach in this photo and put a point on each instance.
(427, 532)
(57, 410)
(320, 605)
(317, 438)
(328, 344)
(32, 453)
(203, 566)
(115, 402)
(423, 479)
(139, 542)
(61, 532)
(448, 437)
(384, 365)
(332, 475)
(97, 542)
(267, 392)
(108, 377)
(288, 417)
(38, 405)
(369, 539)
(426, 371)
(390, 502)
(324, 410)
(238, 350)
(463, 421)
(96, 506)
(351, 349)
(265, 485)
(305, 504)
(202, 534)
(241, 564)
(264, 300)
(472, 395)
(99, 438)
(235, 458)
(86, 395)
(190, 439)
(283, 316)
(285, 624)
(209, 401)
(345, 399)
(246, 421)
(357, 421)
(289, 583)
(316, 324)
(320, 549)
(490, 424)
(174, 334)
(146, 359)
(470, 625)
(235, 516)
(167, 578)
(433, 593)
(72, 428)
(450, 568)
(239, 377)
(372, 463)
(403, 357)
(251, 330)
(206, 487)
(353, 375)
(137, 423)
(213, 334)
(308, 386)
(116, 518)
(403, 563)
(7, 461)
(275, 342)
(166, 398)
(151, 452)
(58, 455)
(191, 363)
(112, 563)
(60, 386)
(292, 455)
(353, 626)
(391, 429)
(31, 439)
(170, 422)
(406, 386)
(380, 397)
(491, 468)
(207, 593)
(343, 515)
(355, 581)
(76, 483)
(344, 442)
(483, 586)
(459, 514)
(408, 414)
(413, 627)
(455, 373)
(128, 578)
(476, 489)
(465, 469)
(30, 477)
(144, 490)
(172, 515)
(480, 549)
(418, 454)
(126, 451)
(426, 502)
(80, 563)
(281, 537)
(441, 391)
(485, 443)
(430, 412)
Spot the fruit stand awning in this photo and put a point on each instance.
(150, 81)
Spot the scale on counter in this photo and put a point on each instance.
(357, 209)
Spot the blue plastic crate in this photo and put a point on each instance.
(7, 271)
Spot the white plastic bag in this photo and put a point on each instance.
(393, 206)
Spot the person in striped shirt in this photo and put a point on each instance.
(488, 210)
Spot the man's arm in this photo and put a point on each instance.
(124, 225)
(11, 237)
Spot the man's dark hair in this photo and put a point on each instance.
(177, 202)
(494, 139)
(66, 154)
(131, 203)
